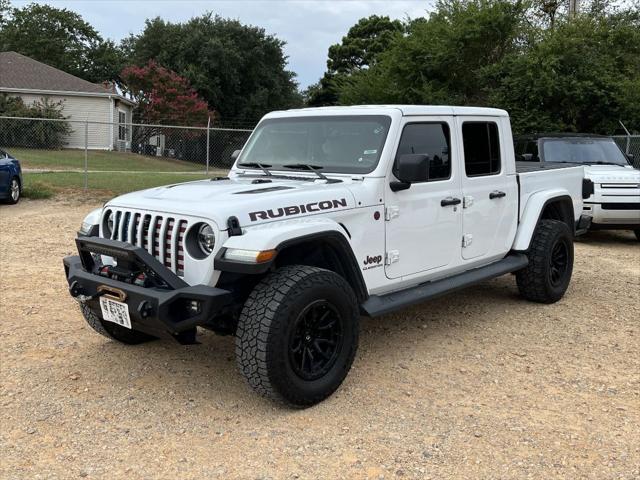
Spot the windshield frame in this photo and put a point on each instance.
(385, 120)
(542, 141)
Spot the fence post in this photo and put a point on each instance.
(86, 155)
(208, 137)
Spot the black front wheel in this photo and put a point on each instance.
(548, 274)
(637, 232)
(298, 335)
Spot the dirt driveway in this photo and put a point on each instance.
(475, 385)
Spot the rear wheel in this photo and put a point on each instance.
(548, 274)
(298, 335)
(113, 331)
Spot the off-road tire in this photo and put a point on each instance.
(637, 232)
(535, 281)
(267, 326)
(112, 330)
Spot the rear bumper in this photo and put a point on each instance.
(173, 308)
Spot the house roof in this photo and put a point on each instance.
(23, 74)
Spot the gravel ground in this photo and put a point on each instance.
(477, 385)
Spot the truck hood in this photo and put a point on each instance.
(612, 174)
(252, 203)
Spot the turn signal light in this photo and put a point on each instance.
(249, 256)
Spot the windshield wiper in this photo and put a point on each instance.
(262, 166)
(307, 166)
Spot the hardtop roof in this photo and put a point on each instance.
(404, 110)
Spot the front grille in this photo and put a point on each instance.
(620, 185)
(621, 206)
(162, 237)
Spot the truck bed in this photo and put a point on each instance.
(526, 167)
(534, 177)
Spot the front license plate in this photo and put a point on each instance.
(116, 312)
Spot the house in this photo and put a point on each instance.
(107, 112)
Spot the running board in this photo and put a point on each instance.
(377, 305)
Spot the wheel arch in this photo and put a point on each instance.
(329, 250)
(558, 206)
(319, 243)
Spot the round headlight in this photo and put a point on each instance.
(206, 239)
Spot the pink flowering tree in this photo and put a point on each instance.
(162, 98)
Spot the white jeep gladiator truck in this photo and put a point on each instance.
(614, 203)
(328, 214)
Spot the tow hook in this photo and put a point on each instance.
(75, 289)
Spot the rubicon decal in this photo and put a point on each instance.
(297, 209)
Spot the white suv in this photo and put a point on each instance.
(615, 201)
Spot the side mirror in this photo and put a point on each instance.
(527, 157)
(410, 168)
(235, 155)
(631, 157)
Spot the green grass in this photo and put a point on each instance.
(98, 160)
(37, 190)
(111, 183)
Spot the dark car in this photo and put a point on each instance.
(10, 178)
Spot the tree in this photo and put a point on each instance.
(363, 44)
(358, 50)
(163, 96)
(239, 70)
(582, 76)
(442, 59)
(32, 133)
(60, 38)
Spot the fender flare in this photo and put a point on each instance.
(532, 214)
(286, 234)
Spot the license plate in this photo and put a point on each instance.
(116, 312)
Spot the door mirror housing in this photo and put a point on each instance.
(235, 155)
(630, 157)
(411, 168)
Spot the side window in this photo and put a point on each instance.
(481, 148)
(532, 148)
(431, 139)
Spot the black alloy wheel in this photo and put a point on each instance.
(316, 340)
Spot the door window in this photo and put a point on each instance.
(481, 148)
(431, 139)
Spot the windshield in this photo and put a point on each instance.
(582, 150)
(338, 144)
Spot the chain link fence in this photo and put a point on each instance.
(127, 156)
(630, 144)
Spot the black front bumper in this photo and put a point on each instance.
(165, 309)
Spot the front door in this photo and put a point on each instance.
(424, 222)
(489, 191)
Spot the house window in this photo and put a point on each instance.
(122, 127)
(481, 148)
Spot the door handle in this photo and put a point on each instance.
(446, 202)
(496, 194)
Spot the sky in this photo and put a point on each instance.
(308, 27)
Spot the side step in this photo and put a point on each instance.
(377, 305)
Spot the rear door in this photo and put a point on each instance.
(489, 190)
(424, 222)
